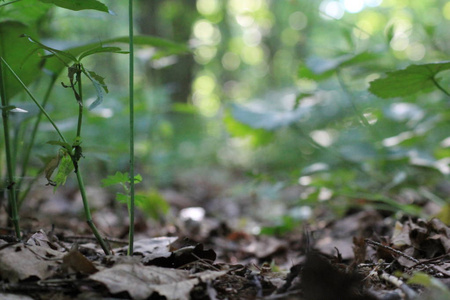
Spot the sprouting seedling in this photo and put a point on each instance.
(122, 179)
(151, 203)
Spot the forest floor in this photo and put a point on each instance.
(208, 248)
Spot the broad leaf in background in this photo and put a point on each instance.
(265, 119)
(79, 4)
(24, 11)
(320, 69)
(405, 82)
(257, 137)
(165, 47)
(15, 51)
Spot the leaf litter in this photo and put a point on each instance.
(364, 255)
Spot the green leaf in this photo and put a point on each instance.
(14, 51)
(320, 69)
(137, 178)
(63, 56)
(268, 120)
(117, 178)
(257, 137)
(99, 85)
(51, 167)
(101, 49)
(62, 144)
(79, 4)
(64, 169)
(152, 204)
(405, 82)
(167, 47)
(24, 11)
(122, 198)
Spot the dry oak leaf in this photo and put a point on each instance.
(141, 281)
(20, 261)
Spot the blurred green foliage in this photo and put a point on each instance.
(278, 89)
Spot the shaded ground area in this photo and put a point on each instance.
(206, 250)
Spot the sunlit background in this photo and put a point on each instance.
(256, 96)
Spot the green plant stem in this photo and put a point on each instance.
(26, 157)
(80, 106)
(131, 91)
(9, 164)
(436, 83)
(88, 215)
(87, 210)
(34, 100)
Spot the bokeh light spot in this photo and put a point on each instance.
(230, 61)
(298, 20)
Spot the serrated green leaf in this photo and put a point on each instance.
(320, 69)
(137, 178)
(405, 82)
(64, 169)
(79, 4)
(122, 198)
(101, 49)
(120, 178)
(117, 178)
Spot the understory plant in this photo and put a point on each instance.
(23, 66)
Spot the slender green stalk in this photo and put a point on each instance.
(26, 157)
(80, 105)
(9, 164)
(131, 91)
(88, 215)
(87, 210)
(34, 100)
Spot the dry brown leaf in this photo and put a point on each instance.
(78, 262)
(19, 262)
(140, 281)
(152, 247)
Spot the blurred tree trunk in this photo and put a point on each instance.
(171, 19)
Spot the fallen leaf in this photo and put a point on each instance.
(78, 262)
(141, 282)
(20, 261)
